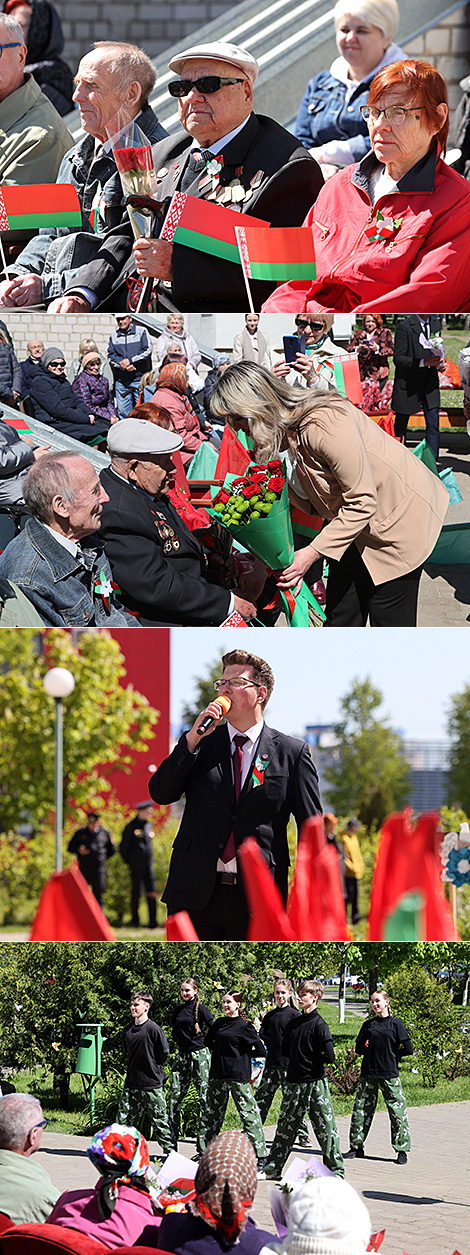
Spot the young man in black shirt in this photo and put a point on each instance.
(147, 1050)
(307, 1043)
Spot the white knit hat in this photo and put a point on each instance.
(326, 1217)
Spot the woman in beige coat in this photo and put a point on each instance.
(384, 509)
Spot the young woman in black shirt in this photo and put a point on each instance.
(233, 1042)
(272, 1031)
(191, 1023)
(383, 1041)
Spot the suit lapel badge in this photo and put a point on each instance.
(161, 173)
(257, 775)
(256, 180)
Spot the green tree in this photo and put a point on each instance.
(458, 725)
(369, 775)
(106, 723)
(204, 693)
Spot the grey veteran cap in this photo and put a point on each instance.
(136, 435)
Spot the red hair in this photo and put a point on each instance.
(423, 84)
(153, 414)
(380, 322)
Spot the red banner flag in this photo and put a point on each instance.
(68, 911)
(407, 861)
(179, 927)
(276, 252)
(202, 225)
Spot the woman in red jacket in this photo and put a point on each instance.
(171, 393)
(392, 232)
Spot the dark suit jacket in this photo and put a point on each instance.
(290, 183)
(414, 385)
(163, 589)
(290, 786)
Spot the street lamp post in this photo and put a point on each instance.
(58, 683)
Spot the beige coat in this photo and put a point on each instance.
(375, 491)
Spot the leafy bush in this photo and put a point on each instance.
(344, 1073)
(431, 1019)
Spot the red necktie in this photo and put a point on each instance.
(237, 759)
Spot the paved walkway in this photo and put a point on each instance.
(424, 1207)
(444, 594)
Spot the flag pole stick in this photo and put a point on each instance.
(241, 241)
(4, 260)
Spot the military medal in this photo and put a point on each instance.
(167, 535)
(161, 173)
(257, 775)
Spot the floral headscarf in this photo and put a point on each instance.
(174, 375)
(121, 1156)
(225, 1185)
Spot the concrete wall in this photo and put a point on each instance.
(156, 26)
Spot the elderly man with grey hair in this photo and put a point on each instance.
(159, 564)
(112, 77)
(33, 136)
(27, 1194)
(68, 583)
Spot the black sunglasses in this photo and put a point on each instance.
(57, 364)
(206, 86)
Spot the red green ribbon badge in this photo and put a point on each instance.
(383, 228)
(257, 775)
(104, 588)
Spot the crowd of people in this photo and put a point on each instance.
(365, 172)
(289, 1048)
(164, 559)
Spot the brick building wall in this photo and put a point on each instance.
(447, 47)
(57, 331)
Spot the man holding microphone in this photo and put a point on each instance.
(240, 780)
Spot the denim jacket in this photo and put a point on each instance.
(60, 588)
(57, 253)
(324, 115)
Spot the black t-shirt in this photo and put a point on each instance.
(184, 1029)
(233, 1043)
(147, 1050)
(383, 1041)
(272, 1032)
(307, 1041)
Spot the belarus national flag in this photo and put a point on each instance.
(205, 226)
(18, 422)
(39, 205)
(276, 252)
(343, 373)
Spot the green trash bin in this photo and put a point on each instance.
(89, 1050)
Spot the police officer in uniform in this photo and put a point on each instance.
(158, 563)
(93, 845)
(136, 850)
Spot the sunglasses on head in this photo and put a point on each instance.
(206, 86)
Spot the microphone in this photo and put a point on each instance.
(225, 704)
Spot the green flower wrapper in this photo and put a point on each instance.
(270, 539)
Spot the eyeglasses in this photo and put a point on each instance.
(57, 365)
(235, 684)
(2, 46)
(395, 113)
(41, 1124)
(206, 86)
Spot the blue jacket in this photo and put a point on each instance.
(58, 253)
(133, 344)
(324, 115)
(60, 588)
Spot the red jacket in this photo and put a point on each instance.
(423, 264)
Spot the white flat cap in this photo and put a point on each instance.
(218, 51)
(136, 435)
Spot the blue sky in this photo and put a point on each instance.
(416, 670)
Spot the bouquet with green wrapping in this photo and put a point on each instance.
(254, 508)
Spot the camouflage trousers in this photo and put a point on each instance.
(136, 1104)
(364, 1109)
(313, 1097)
(218, 1094)
(274, 1079)
(193, 1066)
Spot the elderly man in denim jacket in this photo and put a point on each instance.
(70, 585)
(112, 77)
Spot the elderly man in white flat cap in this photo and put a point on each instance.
(224, 153)
(159, 565)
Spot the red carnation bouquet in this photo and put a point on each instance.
(254, 508)
(133, 155)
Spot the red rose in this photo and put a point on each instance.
(223, 496)
(275, 484)
(133, 159)
(249, 491)
(275, 467)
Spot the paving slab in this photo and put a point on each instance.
(423, 1206)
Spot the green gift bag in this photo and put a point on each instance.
(204, 462)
